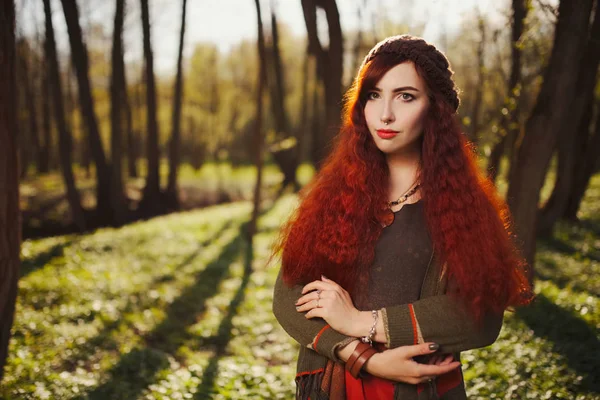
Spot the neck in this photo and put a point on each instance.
(403, 168)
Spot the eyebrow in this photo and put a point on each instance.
(399, 89)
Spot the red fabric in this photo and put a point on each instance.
(448, 381)
(368, 387)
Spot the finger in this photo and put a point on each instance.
(307, 298)
(316, 285)
(435, 359)
(309, 305)
(315, 312)
(447, 360)
(420, 349)
(425, 370)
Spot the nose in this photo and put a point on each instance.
(387, 115)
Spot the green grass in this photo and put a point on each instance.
(166, 309)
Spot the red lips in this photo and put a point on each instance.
(386, 133)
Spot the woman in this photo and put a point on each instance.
(398, 257)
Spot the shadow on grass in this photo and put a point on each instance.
(571, 337)
(549, 270)
(137, 369)
(224, 333)
(41, 259)
(136, 302)
(558, 245)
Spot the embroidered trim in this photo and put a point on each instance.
(386, 328)
(420, 338)
(316, 339)
(414, 324)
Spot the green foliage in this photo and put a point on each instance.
(166, 309)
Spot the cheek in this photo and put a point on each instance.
(416, 119)
(370, 115)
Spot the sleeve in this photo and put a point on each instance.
(442, 319)
(313, 333)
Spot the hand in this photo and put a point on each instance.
(398, 365)
(328, 300)
(440, 359)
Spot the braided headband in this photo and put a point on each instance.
(426, 56)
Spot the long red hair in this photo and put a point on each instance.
(343, 210)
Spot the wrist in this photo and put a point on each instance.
(363, 324)
(357, 361)
(343, 353)
(372, 366)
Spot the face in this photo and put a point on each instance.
(401, 100)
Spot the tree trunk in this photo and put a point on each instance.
(133, 135)
(28, 81)
(475, 113)
(175, 143)
(329, 67)
(588, 145)
(315, 120)
(303, 126)
(509, 122)
(258, 136)
(151, 199)
(131, 170)
(117, 85)
(576, 122)
(10, 217)
(65, 143)
(46, 146)
(285, 156)
(545, 123)
(79, 58)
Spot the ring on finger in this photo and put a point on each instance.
(318, 303)
(319, 294)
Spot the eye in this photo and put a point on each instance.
(407, 97)
(372, 95)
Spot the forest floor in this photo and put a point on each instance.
(178, 307)
(45, 211)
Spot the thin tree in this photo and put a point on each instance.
(151, 200)
(28, 81)
(65, 144)
(79, 58)
(258, 136)
(329, 67)
(117, 84)
(545, 123)
(285, 155)
(476, 111)
(175, 142)
(10, 227)
(46, 94)
(509, 121)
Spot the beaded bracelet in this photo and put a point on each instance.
(369, 339)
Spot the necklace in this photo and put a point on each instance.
(404, 197)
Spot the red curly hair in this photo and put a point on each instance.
(343, 210)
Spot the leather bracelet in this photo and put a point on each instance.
(362, 353)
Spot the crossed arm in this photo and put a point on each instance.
(332, 328)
